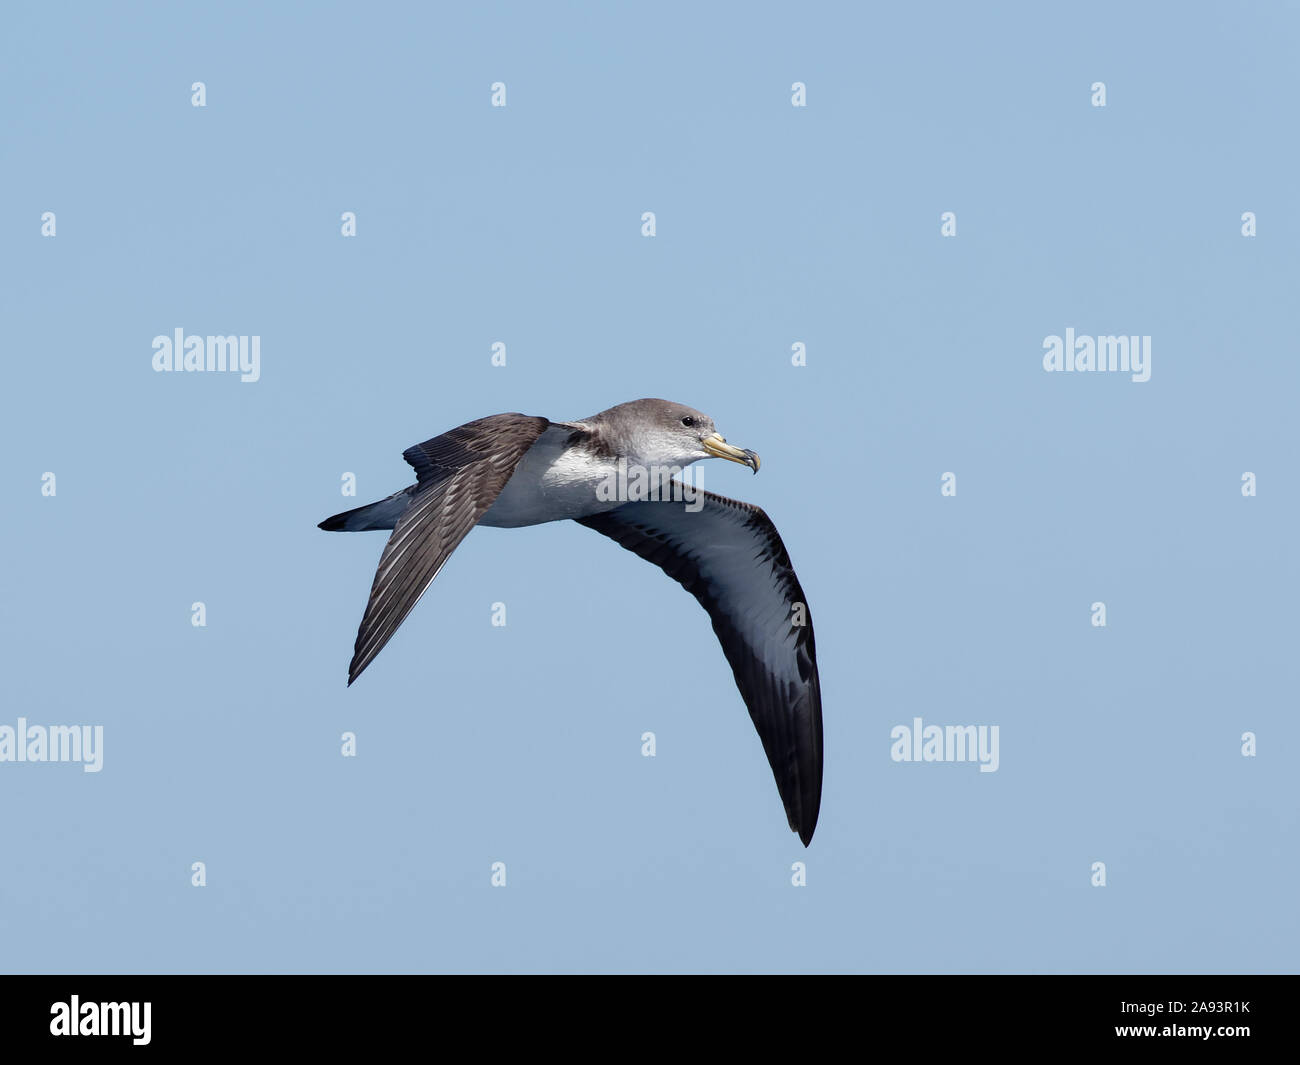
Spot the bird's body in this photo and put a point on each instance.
(553, 481)
(513, 470)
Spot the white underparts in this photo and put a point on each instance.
(552, 482)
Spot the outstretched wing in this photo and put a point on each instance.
(459, 475)
(729, 556)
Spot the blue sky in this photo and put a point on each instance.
(775, 225)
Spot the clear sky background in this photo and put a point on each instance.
(775, 225)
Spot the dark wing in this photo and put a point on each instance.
(459, 476)
(729, 556)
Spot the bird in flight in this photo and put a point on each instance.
(615, 472)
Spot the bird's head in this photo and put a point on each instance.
(673, 432)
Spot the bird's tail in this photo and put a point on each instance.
(380, 515)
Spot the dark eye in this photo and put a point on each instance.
(688, 421)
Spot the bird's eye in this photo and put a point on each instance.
(688, 422)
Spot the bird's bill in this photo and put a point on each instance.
(718, 447)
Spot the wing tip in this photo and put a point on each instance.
(355, 668)
(805, 828)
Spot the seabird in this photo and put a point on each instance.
(512, 470)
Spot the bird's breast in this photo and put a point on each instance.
(553, 482)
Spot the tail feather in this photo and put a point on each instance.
(379, 515)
